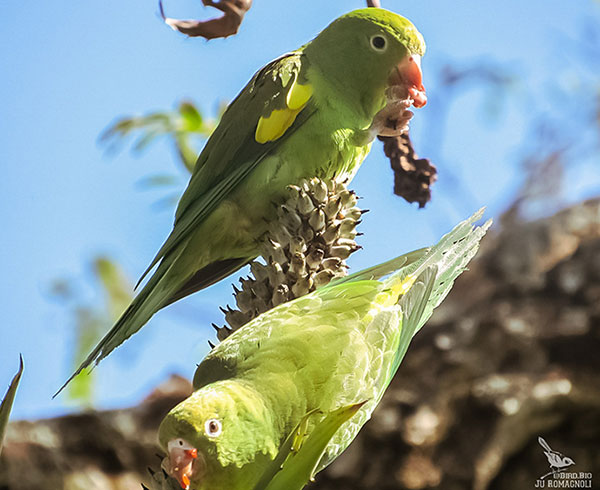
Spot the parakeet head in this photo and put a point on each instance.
(371, 53)
(214, 434)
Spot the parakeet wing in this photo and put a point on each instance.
(232, 151)
(394, 329)
(313, 309)
(450, 255)
(435, 270)
(381, 270)
(294, 467)
(208, 275)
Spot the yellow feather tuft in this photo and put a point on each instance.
(389, 297)
(276, 124)
(402, 288)
(298, 96)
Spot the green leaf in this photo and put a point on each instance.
(117, 288)
(145, 140)
(7, 403)
(91, 322)
(300, 454)
(89, 327)
(185, 127)
(162, 180)
(187, 154)
(190, 116)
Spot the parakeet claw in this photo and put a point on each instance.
(392, 120)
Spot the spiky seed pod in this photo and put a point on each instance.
(304, 248)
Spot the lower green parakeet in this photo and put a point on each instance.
(313, 112)
(290, 367)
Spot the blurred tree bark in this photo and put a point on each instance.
(512, 354)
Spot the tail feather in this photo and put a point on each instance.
(208, 276)
(450, 256)
(414, 304)
(428, 279)
(381, 270)
(460, 245)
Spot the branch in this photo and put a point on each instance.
(226, 25)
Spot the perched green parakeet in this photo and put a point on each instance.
(313, 112)
(337, 347)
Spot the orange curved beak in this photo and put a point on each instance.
(181, 465)
(408, 74)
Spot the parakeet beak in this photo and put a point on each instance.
(182, 462)
(408, 74)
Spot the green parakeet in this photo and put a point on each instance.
(313, 112)
(337, 347)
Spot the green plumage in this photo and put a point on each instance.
(336, 347)
(223, 212)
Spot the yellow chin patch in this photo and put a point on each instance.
(278, 121)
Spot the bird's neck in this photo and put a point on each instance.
(353, 106)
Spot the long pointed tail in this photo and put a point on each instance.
(423, 283)
(449, 256)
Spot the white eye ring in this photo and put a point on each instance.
(213, 427)
(378, 42)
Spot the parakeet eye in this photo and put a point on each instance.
(379, 43)
(213, 427)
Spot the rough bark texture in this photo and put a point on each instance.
(512, 354)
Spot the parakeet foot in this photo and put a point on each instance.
(392, 120)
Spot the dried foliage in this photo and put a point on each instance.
(224, 26)
(413, 176)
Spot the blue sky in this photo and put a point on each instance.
(69, 69)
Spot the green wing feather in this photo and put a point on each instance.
(231, 152)
(229, 156)
(297, 467)
(450, 255)
(435, 270)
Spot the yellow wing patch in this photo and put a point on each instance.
(403, 287)
(298, 96)
(389, 297)
(278, 121)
